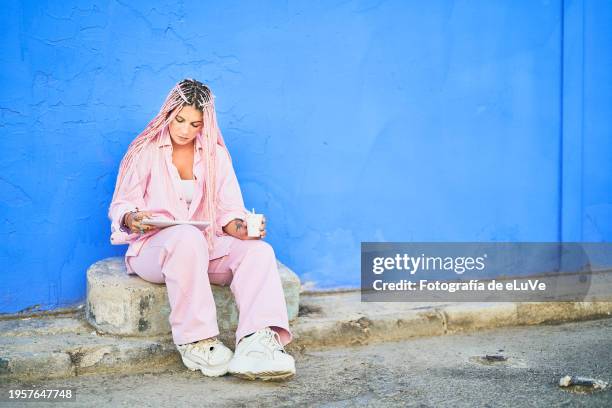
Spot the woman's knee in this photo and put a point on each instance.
(260, 249)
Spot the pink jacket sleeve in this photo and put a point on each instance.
(130, 197)
(230, 204)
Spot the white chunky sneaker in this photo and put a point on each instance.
(210, 356)
(262, 356)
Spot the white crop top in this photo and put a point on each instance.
(187, 187)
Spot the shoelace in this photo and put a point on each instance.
(272, 339)
(207, 345)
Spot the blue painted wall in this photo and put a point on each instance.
(348, 122)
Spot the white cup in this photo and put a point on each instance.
(254, 224)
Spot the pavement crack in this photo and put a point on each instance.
(443, 318)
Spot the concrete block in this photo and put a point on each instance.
(530, 313)
(122, 304)
(476, 316)
(27, 364)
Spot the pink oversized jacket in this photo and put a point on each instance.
(152, 184)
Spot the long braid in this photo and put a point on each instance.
(187, 92)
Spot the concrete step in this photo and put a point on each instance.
(122, 304)
(64, 347)
(52, 347)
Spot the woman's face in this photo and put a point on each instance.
(186, 125)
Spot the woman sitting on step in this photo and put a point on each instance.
(179, 168)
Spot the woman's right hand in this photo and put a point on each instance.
(133, 220)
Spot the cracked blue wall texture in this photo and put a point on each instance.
(348, 122)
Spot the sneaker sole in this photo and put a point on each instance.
(217, 371)
(251, 368)
(264, 376)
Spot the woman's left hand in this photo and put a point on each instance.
(238, 229)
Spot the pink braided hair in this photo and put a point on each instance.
(187, 92)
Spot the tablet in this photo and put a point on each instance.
(163, 223)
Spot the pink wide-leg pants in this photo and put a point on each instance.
(178, 257)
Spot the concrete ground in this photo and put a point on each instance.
(443, 371)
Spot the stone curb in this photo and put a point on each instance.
(437, 320)
(39, 348)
